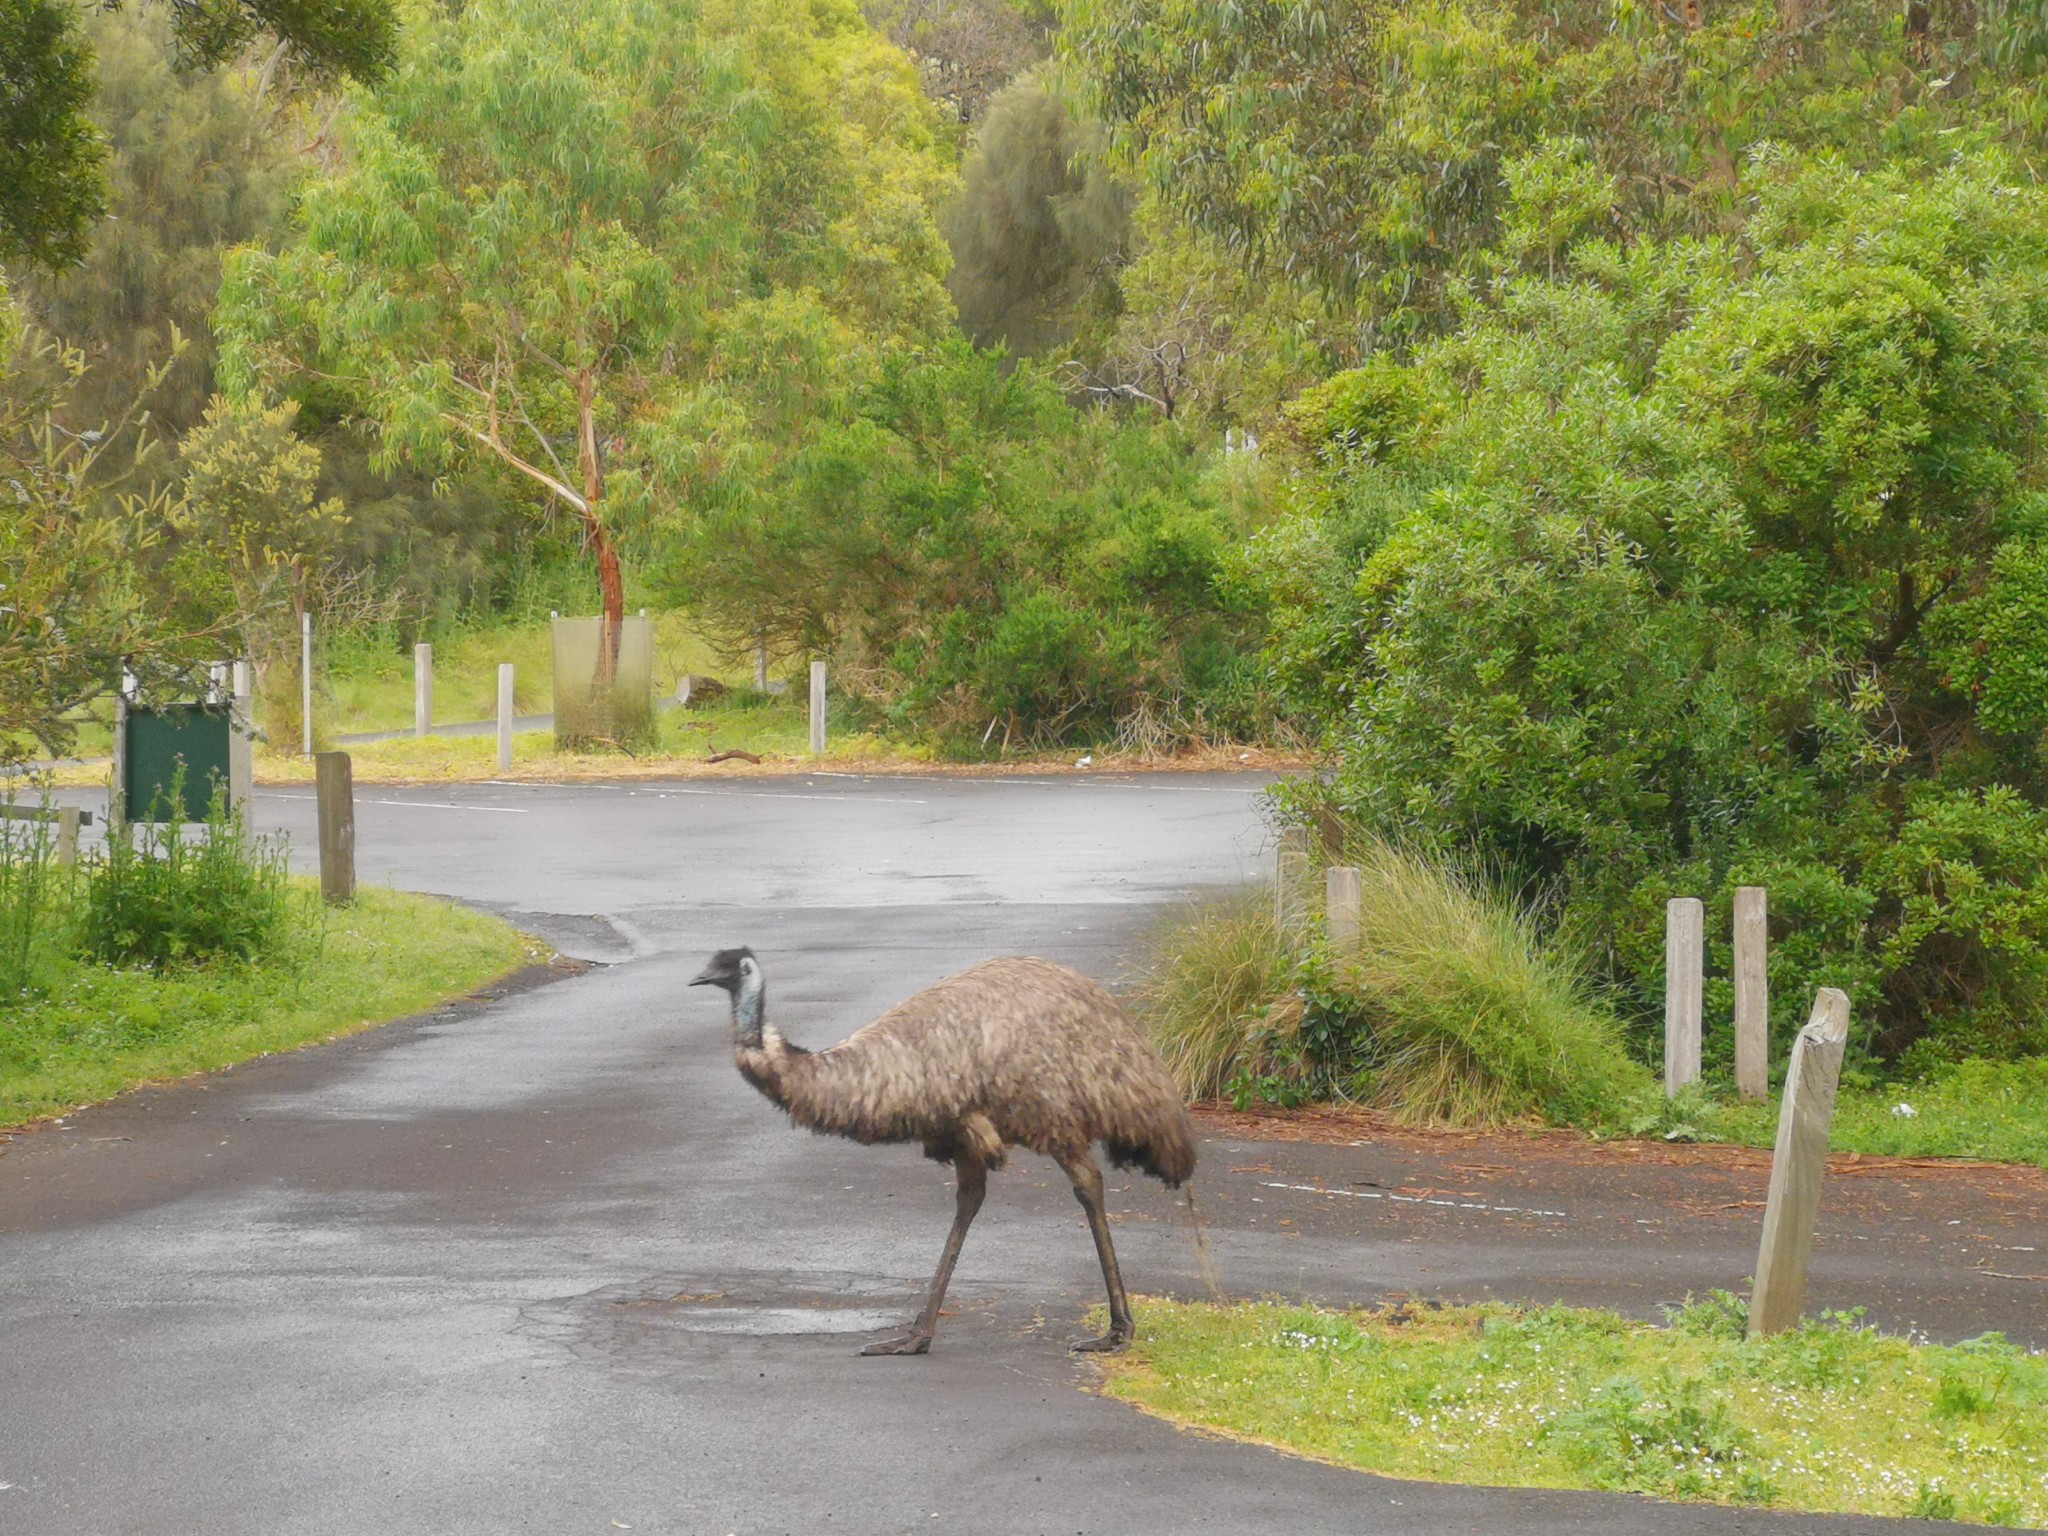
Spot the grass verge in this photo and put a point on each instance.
(102, 1030)
(1829, 1418)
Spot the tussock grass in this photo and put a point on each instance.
(1455, 1008)
(1829, 1417)
(1474, 1015)
(1220, 993)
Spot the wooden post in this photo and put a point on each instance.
(241, 738)
(423, 689)
(306, 681)
(1685, 932)
(817, 709)
(504, 716)
(760, 666)
(67, 834)
(1798, 1164)
(1752, 993)
(1341, 893)
(1290, 881)
(335, 789)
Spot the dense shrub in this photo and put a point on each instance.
(1710, 563)
(986, 564)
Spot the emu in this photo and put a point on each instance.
(1016, 1051)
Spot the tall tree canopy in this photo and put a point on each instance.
(53, 186)
(557, 216)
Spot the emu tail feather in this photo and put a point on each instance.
(1205, 1261)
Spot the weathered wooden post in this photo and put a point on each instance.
(1798, 1164)
(335, 790)
(1290, 882)
(306, 681)
(1342, 891)
(1752, 993)
(504, 716)
(423, 689)
(1685, 932)
(817, 709)
(67, 834)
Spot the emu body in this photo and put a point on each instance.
(1011, 1052)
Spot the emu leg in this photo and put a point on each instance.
(1088, 1190)
(973, 1176)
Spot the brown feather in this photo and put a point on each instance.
(1017, 1050)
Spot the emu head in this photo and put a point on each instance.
(739, 974)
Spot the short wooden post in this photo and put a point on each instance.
(335, 789)
(1752, 993)
(306, 681)
(504, 716)
(1342, 890)
(1290, 882)
(817, 709)
(1798, 1164)
(67, 834)
(1685, 932)
(422, 689)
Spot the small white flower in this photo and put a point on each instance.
(1904, 1111)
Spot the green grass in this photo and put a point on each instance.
(1452, 1008)
(1829, 1418)
(369, 680)
(1985, 1109)
(101, 1030)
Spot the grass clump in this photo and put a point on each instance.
(1452, 1008)
(1831, 1417)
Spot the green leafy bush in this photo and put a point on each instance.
(987, 565)
(160, 896)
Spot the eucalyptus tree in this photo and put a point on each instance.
(53, 187)
(552, 213)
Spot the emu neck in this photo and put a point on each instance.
(749, 1009)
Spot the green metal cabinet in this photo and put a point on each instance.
(161, 738)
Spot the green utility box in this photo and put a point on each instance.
(160, 739)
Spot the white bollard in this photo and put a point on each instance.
(422, 689)
(504, 716)
(1752, 993)
(817, 709)
(1342, 893)
(1798, 1164)
(1290, 877)
(1685, 933)
(306, 681)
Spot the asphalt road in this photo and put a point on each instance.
(545, 1264)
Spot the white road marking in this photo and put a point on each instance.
(428, 805)
(1380, 1194)
(731, 793)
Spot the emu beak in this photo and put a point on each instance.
(706, 978)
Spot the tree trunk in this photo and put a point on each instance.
(610, 581)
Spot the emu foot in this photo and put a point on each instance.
(911, 1343)
(1110, 1343)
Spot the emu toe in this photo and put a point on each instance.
(1110, 1343)
(912, 1343)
